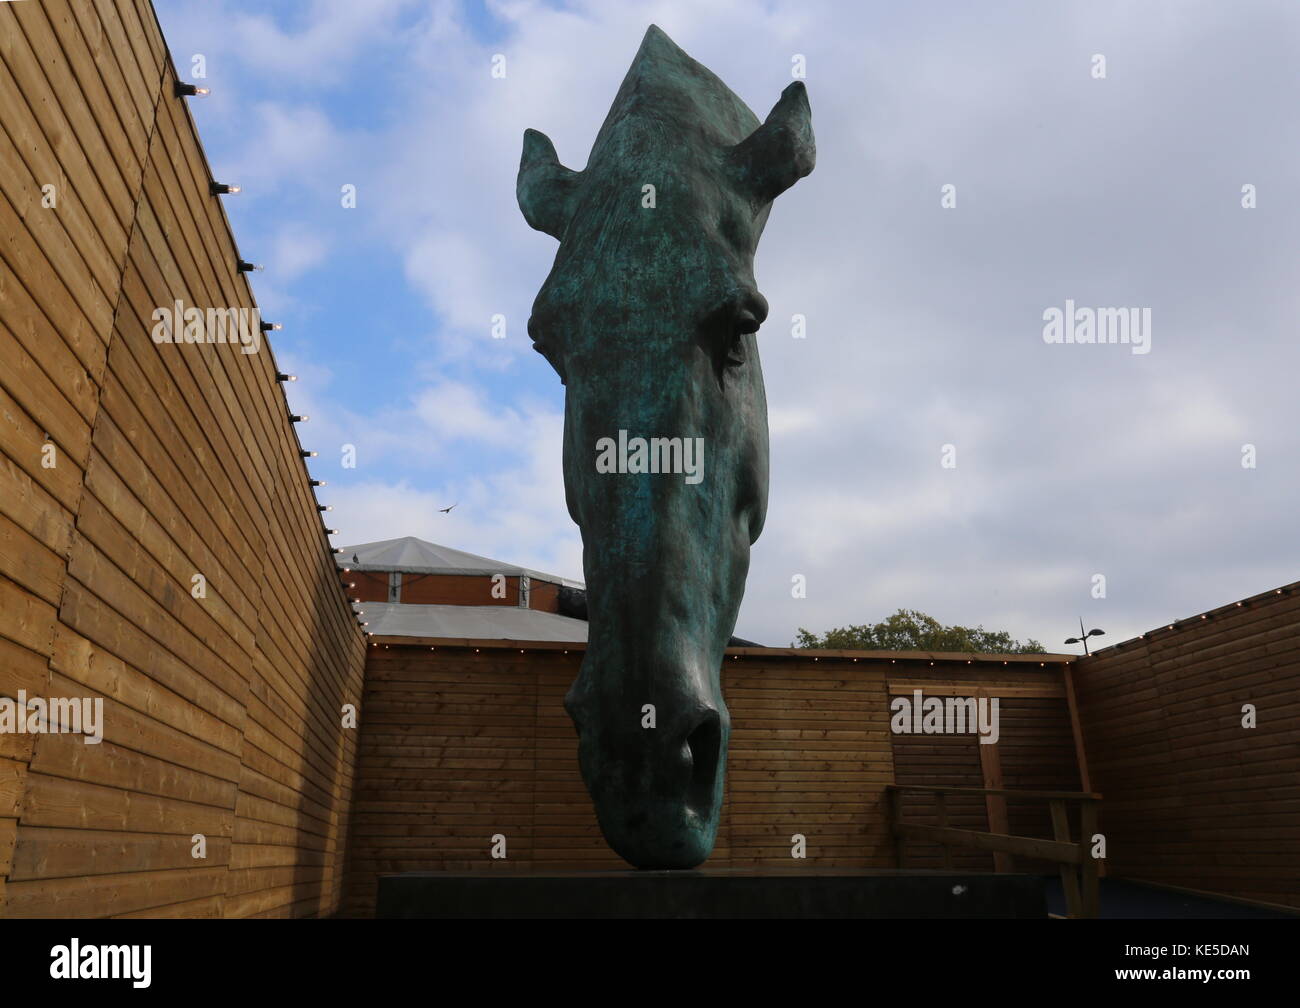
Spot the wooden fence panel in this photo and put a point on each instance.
(222, 709)
(459, 744)
(1195, 798)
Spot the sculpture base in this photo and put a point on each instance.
(718, 893)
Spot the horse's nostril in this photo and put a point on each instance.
(705, 746)
(747, 323)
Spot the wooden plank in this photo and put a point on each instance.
(980, 792)
(64, 233)
(72, 853)
(86, 614)
(40, 250)
(42, 400)
(29, 563)
(92, 569)
(52, 32)
(1048, 850)
(142, 505)
(204, 713)
(55, 801)
(24, 618)
(20, 669)
(8, 837)
(995, 803)
(976, 688)
(1089, 886)
(131, 730)
(166, 576)
(22, 440)
(33, 510)
(117, 894)
(171, 486)
(141, 24)
(113, 765)
(13, 782)
(130, 75)
(1069, 878)
(48, 89)
(207, 906)
(53, 154)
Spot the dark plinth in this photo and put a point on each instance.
(710, 893)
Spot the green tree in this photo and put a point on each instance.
(910, 630)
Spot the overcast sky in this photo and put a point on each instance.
(925, 324)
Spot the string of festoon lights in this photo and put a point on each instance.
(242, 268)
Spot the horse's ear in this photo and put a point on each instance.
(545, 188)
(780, 152)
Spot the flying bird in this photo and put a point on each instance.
(447, 510)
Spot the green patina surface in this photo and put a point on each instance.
(650, 315)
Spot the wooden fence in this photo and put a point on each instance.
(461, 741)
(128, 468)
(1193, 735)
(1074, 853)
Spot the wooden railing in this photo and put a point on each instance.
(1080, 871)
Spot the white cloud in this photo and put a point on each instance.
(454, 411)
(285, 145)
(328, 40)
(295, 249)
(457, 273)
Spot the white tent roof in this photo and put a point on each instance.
(416, 556)
(398, 619)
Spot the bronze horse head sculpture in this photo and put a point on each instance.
(649, 316)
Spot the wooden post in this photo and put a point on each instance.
(1069, 873)
(995, 806)
(1091, 897)
(1080, 875)
(1076, 729)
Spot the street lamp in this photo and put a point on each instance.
(1083, 637)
